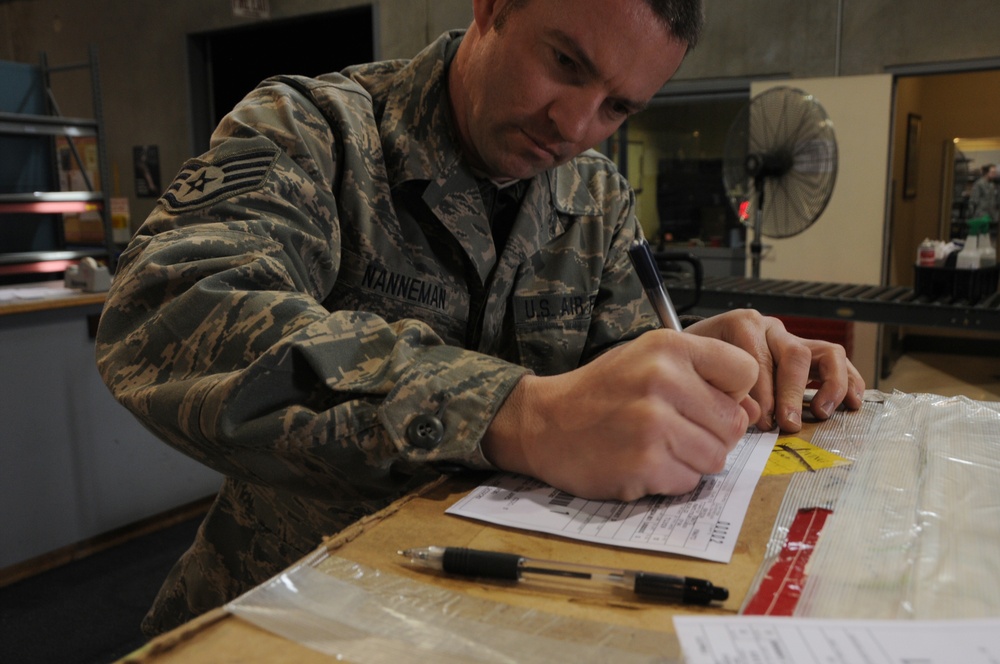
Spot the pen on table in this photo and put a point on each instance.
(652, 282)
(513, 567)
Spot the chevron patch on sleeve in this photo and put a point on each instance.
(200, 183)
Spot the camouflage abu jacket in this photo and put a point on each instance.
(984, 199)
(316, 310)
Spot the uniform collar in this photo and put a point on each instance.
(421, 150)
(420, 141)
(415, 123)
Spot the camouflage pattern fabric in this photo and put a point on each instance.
(984, 199)
(316, 310)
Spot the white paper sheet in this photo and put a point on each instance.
(760, 640)
(704, 523)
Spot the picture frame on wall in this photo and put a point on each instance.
(911, 164)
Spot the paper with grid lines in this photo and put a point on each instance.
(703, 523)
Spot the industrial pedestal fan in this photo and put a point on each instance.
(779, 165)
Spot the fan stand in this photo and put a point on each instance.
(756, 246)
(760, 167)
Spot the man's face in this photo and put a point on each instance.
(556, 79)
(992, 173)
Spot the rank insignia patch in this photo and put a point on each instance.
(201, 183)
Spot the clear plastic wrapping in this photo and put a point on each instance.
(844, 434)
(915, 532)
(353, 612)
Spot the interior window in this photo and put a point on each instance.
(672, 154)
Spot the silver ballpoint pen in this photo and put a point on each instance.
(652, 283)
(513, 567)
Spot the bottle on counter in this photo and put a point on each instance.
(926, 253)
(968, 258)
(987, 254)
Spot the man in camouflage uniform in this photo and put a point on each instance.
(415, 267)
(984, 200)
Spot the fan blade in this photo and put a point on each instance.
(792, 147)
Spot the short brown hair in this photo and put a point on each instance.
(684, 18)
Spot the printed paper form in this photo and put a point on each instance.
(704, 523)
(731, 640)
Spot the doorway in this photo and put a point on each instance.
(959, 105)
(226, 64)
(957, 132)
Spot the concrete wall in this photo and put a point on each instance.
(142, 46)
(142, 49)
(796, 39)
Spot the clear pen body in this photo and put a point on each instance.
(665, 311)
(644, 262)
(468, 562)
(524, 568)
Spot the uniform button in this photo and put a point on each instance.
(425, 431)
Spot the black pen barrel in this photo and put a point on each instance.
(491, 564)
(684, 589)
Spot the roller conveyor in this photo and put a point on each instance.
(894, 305)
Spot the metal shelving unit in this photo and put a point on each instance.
(48, 127)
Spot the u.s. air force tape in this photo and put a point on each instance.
(200, 183)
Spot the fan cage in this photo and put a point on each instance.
(788, 131)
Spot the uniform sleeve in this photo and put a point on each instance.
(215, 337)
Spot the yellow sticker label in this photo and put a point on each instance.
(793, 455)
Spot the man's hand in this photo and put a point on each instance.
(648, 417)
(787, 364)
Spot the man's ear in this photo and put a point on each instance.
(484, 12)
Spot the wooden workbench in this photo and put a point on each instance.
(50, 296)
(419, 520)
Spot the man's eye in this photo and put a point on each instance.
(565, 61)
(618, 110)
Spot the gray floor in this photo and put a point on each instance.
(976, 377)
(88, 611)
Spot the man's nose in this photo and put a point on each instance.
(573, 115)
